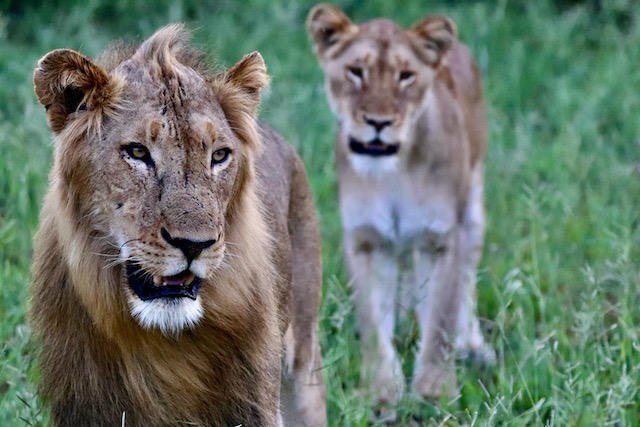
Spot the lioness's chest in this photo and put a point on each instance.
(396, 206)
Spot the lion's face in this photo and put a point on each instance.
(158, 173)
(378, 76)
(170, 168)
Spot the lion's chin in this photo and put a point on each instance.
(169, 303)
(169, 315)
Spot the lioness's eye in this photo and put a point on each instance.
(220, 156)
(138, 152)
(405, 76)
(356, 72)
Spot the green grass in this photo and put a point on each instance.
(559, 283)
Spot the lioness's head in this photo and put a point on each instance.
(153, 153)
(378, 76)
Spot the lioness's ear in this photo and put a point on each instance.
(327, 25)
(65, 82)
(436, 33)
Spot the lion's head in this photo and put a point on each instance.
(154, 157)
(378, 76)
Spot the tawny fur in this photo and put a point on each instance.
(261, 277)
(413, 218)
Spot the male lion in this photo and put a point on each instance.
(178, 248)
(410, 155)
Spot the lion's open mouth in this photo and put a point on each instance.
(373, 148)
(148, 287)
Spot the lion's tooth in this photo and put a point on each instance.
(189, 278)
(157, 280)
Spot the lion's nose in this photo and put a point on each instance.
(190, 248)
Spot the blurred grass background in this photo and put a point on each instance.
(559, 292)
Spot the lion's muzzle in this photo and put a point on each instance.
(148, 287)
(190, 248)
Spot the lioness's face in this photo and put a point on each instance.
(378, 76)
(375, 88)
(150, 159)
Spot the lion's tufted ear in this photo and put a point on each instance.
(436, 34)
(67, 81)
(250, 76)
(238, 91)
(327, 25)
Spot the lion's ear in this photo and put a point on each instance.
(249, 75)
(436, 34)
(238, 92)
(327, 25)
(67, 81)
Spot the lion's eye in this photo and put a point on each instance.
(220, 156)
(356, 72)
(406, 76)
(138, 152)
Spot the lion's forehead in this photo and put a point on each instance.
(191, 130)
(150, 73)
(178, 89)
(163, 107)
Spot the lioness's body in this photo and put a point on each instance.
(410, 156)
(246, 224)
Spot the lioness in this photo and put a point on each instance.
(178, 248)
(410, 155)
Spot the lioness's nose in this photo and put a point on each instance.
(190, 248)
(377, 123)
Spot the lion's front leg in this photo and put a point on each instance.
(439, 280)
(303, 392)
(374, 273)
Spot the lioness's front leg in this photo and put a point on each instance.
(374, 270)
(437, 308)
(470, 341)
